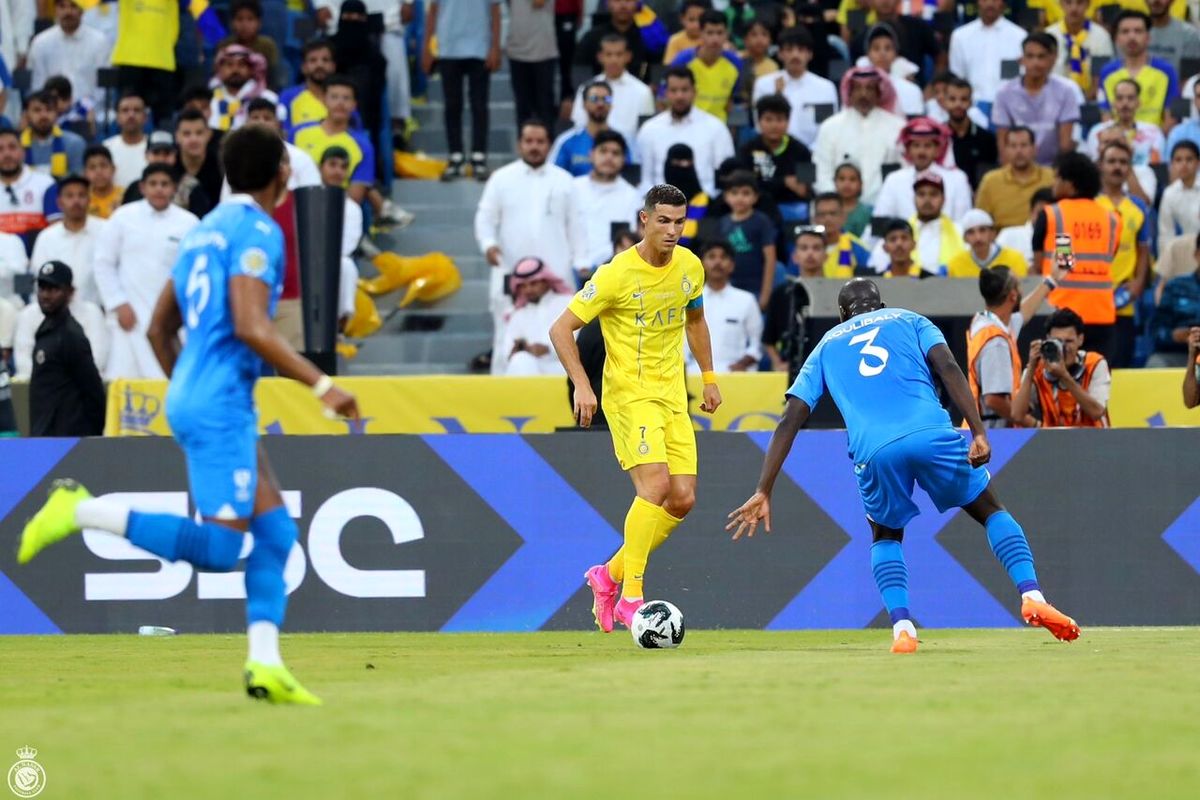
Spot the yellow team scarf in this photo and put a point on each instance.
(948, 246)
(58, 150)
(227, 108)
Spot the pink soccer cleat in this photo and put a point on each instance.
(604, 596)
(625, 610)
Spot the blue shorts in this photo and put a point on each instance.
(935, 459)
(222, 464)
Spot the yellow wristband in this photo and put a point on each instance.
(709, 378)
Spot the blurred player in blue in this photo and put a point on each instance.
(879, 365)
(223, 290)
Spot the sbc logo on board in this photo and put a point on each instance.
(324, 551)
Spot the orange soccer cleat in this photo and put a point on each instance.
(904, 643)
(1044, 615)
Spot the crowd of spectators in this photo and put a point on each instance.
(885, 139)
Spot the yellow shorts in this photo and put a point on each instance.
(651, 433)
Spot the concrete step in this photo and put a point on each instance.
(500, 140)
(415, 348)
(431, 115)
(358, 367)
(428, 235)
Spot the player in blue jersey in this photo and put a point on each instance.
(879, 366)
(223, 290)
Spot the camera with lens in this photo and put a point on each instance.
(1052, 351)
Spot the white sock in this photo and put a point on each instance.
(264, 643)
(1034, 595)
(904, 626)
(102, 514)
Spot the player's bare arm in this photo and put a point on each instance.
(942, 362)
(248, 301)
(163, 332)
(758, 508)
(562, 336)
(700, 341)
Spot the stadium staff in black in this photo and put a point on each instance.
(66, 395)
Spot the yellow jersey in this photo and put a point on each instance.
(103, 205)
(1135, 231)
(146, 34)
(642, 311)
(964, 264)
(716, 84)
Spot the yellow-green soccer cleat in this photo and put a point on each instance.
(276, 685)
(55, 520)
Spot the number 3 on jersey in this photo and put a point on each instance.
(870, 349)
(199, 288)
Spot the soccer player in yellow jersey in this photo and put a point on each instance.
(647, 298)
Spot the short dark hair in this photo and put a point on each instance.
(953, 81)
(759, 22)
(941, 77)
(686, 4)
(1042, 195)
(318, 44)
(334, 151)
(159, 169)
(741, 179)
(338, 79)
(895, 224)
(1186, 144)
(1080, 171)
(128, 93)
(251, 156)
(1041, 39)
(261, 104)
(773, 104)
(97, 150)
(1024, 129)
(59, 86)
(13, 132)
(253, 6)
(190, 115)
(42, 97)
(682, 73)
(1064, 318)
(994, 285)
(1137, 87)
(664, 194)
(534, 122)
(610, 137)
(1130, 13)
(826, 197)
(597, 84)
(197, 91)
(716, 244)
(67, 180)
(796, 36)
(613, 38)
(712, 17)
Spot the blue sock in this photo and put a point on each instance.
(891, 576)
(1011, 548)
(204, 545)
(266, 595)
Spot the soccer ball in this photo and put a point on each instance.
(657, 625)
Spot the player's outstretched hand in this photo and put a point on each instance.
(340, 403)
(749, 514)
(980, 452)
(712, 398)
(585, 405)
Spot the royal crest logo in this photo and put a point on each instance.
(138, 412)
(241, 482)
(589, 290)
(26, 778)
(686, 285)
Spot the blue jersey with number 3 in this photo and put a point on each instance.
(874, 368)
(216, 369)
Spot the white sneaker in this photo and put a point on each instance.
(392, 214)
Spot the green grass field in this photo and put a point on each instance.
(732, 714)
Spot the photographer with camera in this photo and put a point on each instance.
(1064, 386)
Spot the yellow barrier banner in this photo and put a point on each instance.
(485, 404)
